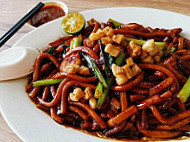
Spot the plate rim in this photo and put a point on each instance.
(83, 12)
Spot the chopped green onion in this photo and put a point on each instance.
(119, 61)
(95, 69)
(46, 82)
(185, 91)
(115, 23)
(142, 42)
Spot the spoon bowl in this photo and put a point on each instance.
(17, 62)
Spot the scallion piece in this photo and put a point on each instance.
(185, 91)
(46, 82)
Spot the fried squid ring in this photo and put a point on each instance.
(94, 115)
(65, 93)
(171, 119)
(162, 69)
(37, 64)
(130, 84)
(122, 116)
(57, 97)
(84, 49)
(74, 77)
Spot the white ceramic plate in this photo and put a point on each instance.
(33, 125)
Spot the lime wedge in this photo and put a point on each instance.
(73, 23)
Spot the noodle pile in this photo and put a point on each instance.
(146, 105)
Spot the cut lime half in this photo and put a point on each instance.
(73, 23)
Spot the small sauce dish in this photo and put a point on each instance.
(50, 11)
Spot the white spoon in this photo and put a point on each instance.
(17, 62)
